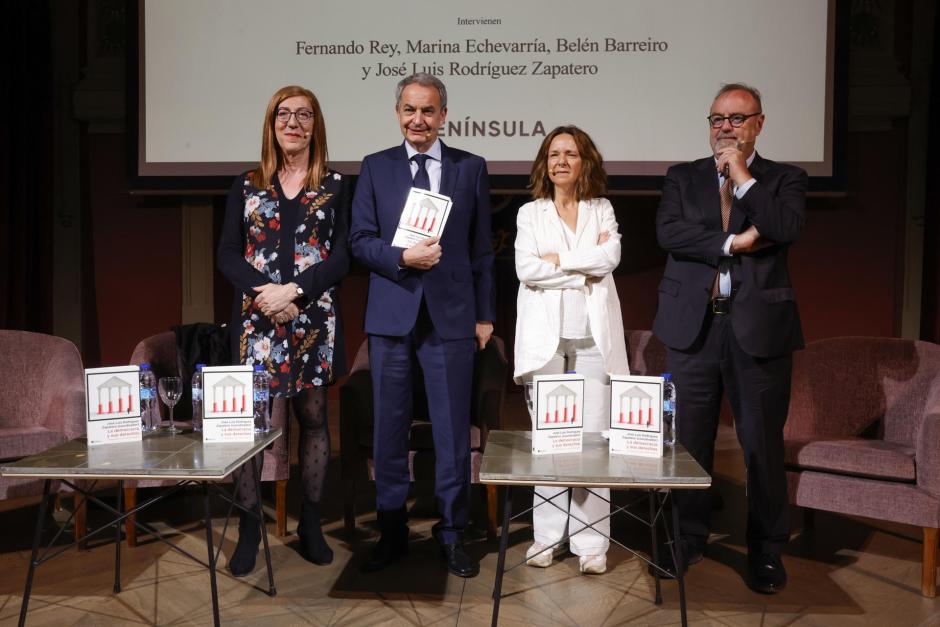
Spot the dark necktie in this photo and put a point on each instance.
(724, 194)
(422, 180)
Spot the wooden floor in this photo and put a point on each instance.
(844, 572)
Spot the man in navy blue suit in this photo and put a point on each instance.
(431, 302)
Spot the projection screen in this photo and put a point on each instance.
(637, 75)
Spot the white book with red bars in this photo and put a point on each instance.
(228, 404)
(112, 404)
(423, 216)
(558, 417)
(636, 415)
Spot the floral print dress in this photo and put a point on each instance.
(268, 238)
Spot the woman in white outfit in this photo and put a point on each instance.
(568, 319)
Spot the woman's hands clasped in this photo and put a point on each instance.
(277, 301)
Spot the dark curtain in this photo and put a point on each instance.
(26, 166)
(930, 300)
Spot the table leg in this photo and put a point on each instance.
(501, 560)
(677, 552)
(80, 504)
(117, 538)
(211, 553)
(37, 537)
(272, 591)
(654, 520)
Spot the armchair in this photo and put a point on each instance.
(42, 405)
(356, 426)
(160, 351)
(863, 434)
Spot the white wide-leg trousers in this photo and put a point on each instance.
(550, 522)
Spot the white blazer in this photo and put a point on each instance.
(588, 266)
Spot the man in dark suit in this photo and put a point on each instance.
(728, 317)
(432, 301)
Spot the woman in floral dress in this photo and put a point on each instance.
(283, 247)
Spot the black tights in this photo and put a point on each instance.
(310, 409)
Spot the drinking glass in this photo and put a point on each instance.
(171, 389)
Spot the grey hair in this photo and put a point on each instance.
(425, 80)
(755, 94)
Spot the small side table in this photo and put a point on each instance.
(160, 455)
(508, 461)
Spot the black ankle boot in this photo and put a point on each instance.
(243, 559)
(314, 545)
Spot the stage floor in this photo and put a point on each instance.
(846, 571)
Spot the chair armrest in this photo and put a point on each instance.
(62, 400)
(927, 452)
(72, 422)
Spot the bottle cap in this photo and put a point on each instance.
(666, 376)
(145, 366)
(259, 368)
(200, 366)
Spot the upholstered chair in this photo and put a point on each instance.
(863, 434)
(42, 404)
(160, 351)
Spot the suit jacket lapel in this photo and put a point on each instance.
(448, 172)
(706, 189)
(401, 177)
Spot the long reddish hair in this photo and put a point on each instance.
(271, 155)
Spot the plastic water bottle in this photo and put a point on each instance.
(149, 405)
(670, 427)
(262, 392)
(197, 398)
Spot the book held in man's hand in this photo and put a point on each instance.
(424, 215)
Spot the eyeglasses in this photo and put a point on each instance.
(304, 116)
(737, 119)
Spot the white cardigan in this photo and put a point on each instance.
(587, 266)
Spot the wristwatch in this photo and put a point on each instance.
(300, 292)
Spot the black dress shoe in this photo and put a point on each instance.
(458, 562)
(765, 573)
(691, 554)
(389, 549)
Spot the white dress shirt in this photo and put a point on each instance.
(724, 269)
(433, 165)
